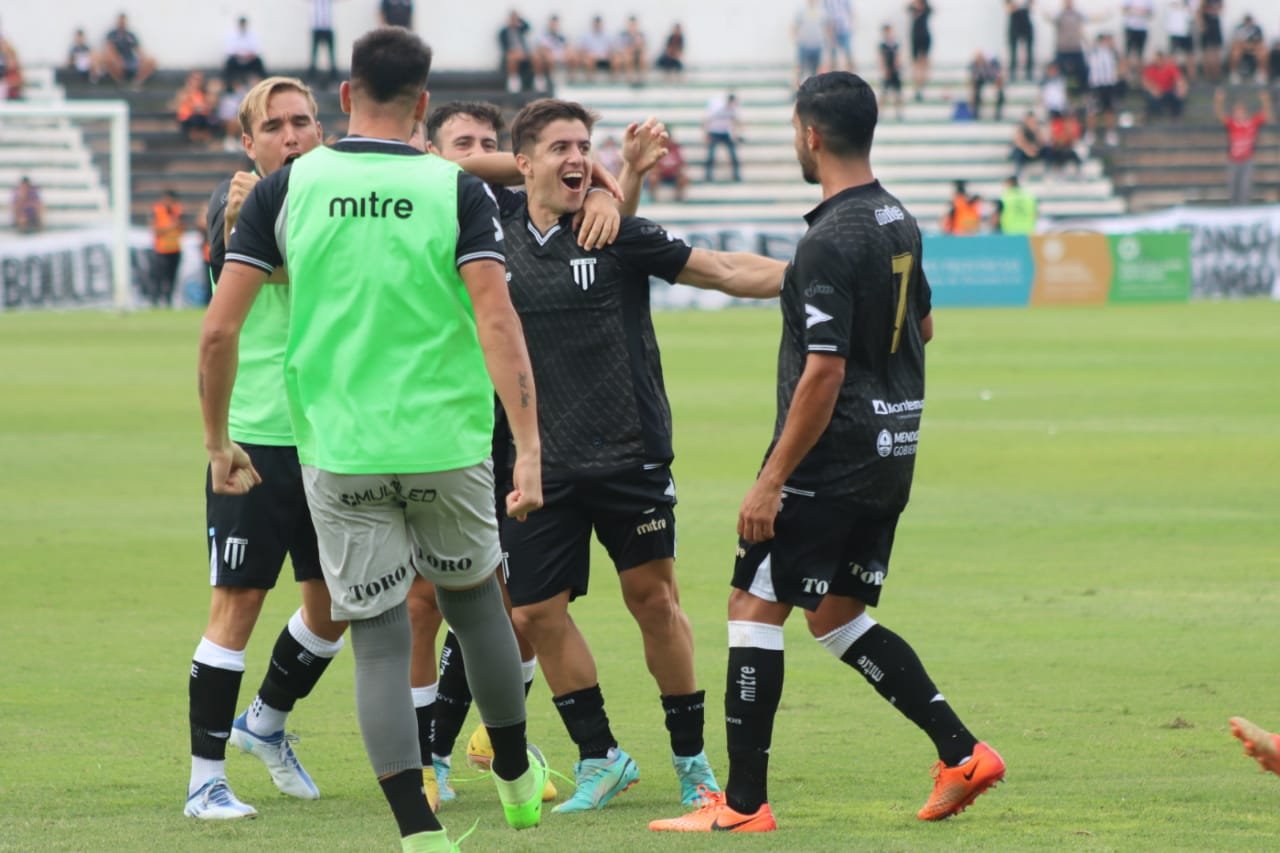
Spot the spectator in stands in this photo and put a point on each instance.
(595, 50)
(227, 113)
(1028, 146)
(322, 33)
(630, 59)
(921, 43)
(1104, 88)
(1165, 86)
(890, 69)
(1273, 63)
(671, 60)
(610, 155)
(27, 207)
(1177, 26)
(669, 172)
(1060, 153)
(1069, 42)
(243, 49)
(1137, 22)
(396, 13)
(1210, 17)
(1248, 51)
(838, 23)
(1242, 141)
(1017, 210)
(723, 127)
(81, 61)
(10, 72)
(1054, 99)
(554, 51)
(166, 232)
(517, 58)
(985, 70)
(1021, 31)
(193, 110)
(964, 216)
(123, 57)
(810, 34)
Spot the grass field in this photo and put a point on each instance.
(1088, 569)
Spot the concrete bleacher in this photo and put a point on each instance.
(917, 157)
(53, 153)
(1162, 162)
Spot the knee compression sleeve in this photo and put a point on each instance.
(482, 627)
(384, 705)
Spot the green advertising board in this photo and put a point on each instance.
(1150, 267)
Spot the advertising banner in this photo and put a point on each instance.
(1150, 267)
(978, 271)
(1070, 269)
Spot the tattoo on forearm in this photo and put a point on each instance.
(523, 379)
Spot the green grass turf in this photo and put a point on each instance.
(1088, 570)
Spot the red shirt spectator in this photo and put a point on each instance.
(1242, 136)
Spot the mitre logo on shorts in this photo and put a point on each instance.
(584, 271)
(651, 526)
(233, 551)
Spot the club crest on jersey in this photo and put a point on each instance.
(584, 271)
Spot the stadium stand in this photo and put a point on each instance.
(917, 158)
(162, 159)
(54, 154)
(1170, 163)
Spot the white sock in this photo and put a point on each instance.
(424, 696)
(263, 720)
(528, 668)
(202, 770)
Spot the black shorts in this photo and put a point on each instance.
(893, 82)
(1181, 44)
(1135, 42)
(1104, 98)
(1211, 33)
(920, 46)
(250, 534)
(821, 546)
(632, 514)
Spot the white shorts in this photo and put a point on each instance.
(376, 531)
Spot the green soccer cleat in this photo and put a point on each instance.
(522, 797)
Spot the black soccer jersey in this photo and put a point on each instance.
(857, 289)
(602, 404)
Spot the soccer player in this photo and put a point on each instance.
(388, 371)
(817, 527)
(1259, 743)
(606, 445)
(250, 534)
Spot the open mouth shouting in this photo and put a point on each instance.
(573, 180)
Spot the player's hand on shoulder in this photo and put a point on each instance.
(598, 222)
(231, 471)
(605, 180)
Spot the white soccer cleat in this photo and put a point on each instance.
(276, 751)
(214, 800)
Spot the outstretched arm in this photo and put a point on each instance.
(643, 146)
(735, 273)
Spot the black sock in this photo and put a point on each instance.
(408, 802)
(294, 670)
(588, 725)
(891, 666)
(685, 722)
(753, 690)
(212, 694)
(426, 722)
(453, 697)
(510, 751)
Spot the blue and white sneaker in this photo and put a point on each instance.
(697, 780)
(599, 780)
(442, 767)
(276, 751)
(214, 801)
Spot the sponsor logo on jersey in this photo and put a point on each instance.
(891, 213)
(880, 407)
(901, 443)
(814, 316)
(372, 207)
(584, 271)
(817, 288)
(233, 551)
(884, 443)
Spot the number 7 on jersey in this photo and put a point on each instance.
(902, 265)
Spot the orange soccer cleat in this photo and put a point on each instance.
(955, 788)
(1258, 743)
(715, 815)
